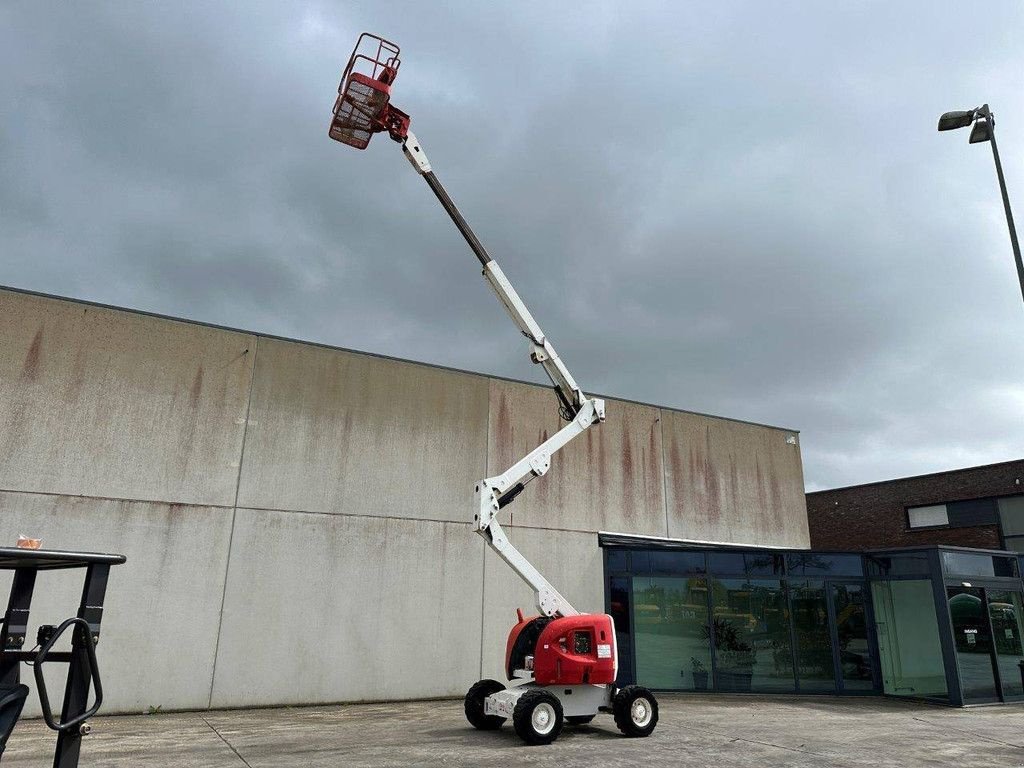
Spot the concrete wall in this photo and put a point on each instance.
(296, 518)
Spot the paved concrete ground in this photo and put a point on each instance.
(717, 731)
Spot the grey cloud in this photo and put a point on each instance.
(735, 208)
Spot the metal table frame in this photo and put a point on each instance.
(26, 564)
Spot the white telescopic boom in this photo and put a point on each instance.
(493, 493)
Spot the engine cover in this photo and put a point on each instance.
(569, 650)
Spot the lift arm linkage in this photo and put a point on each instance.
(582, 412)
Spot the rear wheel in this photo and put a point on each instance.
(537, 717)
(579, 719)
(636, 711)
(474, 705)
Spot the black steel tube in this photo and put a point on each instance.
(1006, 206)
(464, 228)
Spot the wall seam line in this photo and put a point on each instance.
(483, 560)
(664, 467)
(234, 515)
(130, 499)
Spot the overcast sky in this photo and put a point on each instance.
(742, 209)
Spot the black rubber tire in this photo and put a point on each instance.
(522, 717)
(474, 705)
(622, 706)
(579, 719)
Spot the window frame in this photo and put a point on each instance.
(940, 526)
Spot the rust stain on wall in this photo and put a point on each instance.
(762, 492)
(629, 484)
(30, 368)
(712, 481)
(503, 432)
(197, 388)
(734, 483)
(678, 481)
(653, 486)
(775, 515)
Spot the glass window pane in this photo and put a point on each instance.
(763, 563)
(973, 642)
(905, 564)
(1004, 566)
(640, 561)
(969, 564)
(746, 563)
(616, 559)
(813, 639)
(668, 562)
(752, 635)
(1011, 515)
(726, 562)
(1015, 544)
(855, 662)
(670, 618)
(1006, 609)
(824, 564)
(908, 638)
(922, 517)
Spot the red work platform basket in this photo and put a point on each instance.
(363, 104)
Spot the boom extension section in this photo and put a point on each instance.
(494, 493)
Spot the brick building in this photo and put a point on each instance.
(974, 507)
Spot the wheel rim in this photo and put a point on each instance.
(641, 712)
(543, 718)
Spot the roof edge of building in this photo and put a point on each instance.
(922, 476)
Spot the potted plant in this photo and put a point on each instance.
(735, 657)
(700, 675)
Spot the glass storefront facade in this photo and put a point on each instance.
(941, 624)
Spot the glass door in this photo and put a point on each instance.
(972, 638)
(908, 639)
(1006, 612)
(856, 662)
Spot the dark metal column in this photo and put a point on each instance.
(1006, 206)
(945, 625)
(15, 626)
(76, 692)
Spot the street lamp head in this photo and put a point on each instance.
(982, 131)
(953, 120)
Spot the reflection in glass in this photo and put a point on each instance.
(726, 562)
(813, 639)
(908, 638)
(973, 643)
(616, 559)
(669, 620)
(967, 564)
(824, 564)
(751, 635)
(677, 563)
(855, 661)
(903, 564)
(619, 611)
(1006, 611)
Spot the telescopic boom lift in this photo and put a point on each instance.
(562, 664)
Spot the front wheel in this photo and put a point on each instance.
(538, 717)
(636, 711)
(474, 705)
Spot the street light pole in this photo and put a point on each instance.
(1006, 201)
(984, 129)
